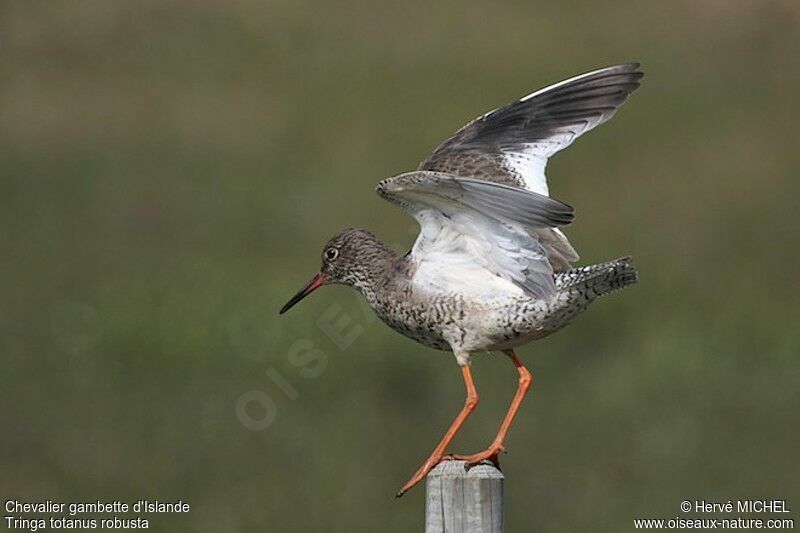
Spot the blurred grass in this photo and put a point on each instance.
(169, 171)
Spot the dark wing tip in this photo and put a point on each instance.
(633, 70)
(522, 205)
(560, 212)
(631, 66)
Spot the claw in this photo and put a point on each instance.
(491, 454)
(420, 474)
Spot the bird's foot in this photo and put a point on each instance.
(420, 474)
(491, 454)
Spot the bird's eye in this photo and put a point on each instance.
(331, 254)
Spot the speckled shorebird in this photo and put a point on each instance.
(490, 270)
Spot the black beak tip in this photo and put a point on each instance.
(316, 282)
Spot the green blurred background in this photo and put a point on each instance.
(169, 171)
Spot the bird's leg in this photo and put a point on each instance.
(438, 452)
(525, 380)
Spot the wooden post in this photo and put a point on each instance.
(464, 501)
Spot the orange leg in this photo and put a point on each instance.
(438, 452)
(525, 380)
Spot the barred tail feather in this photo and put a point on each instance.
(603, 278)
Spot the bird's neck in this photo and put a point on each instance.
(378, 271)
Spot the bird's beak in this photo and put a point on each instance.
(315, 283)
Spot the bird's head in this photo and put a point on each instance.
(347, 258)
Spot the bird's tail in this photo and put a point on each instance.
(599, 279)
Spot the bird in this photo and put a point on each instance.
(490, 270)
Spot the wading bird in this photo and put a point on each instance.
(490, 270)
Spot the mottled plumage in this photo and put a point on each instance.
(490, 269)
(463, 321)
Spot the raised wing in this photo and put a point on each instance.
(473, 230)
(511, 144)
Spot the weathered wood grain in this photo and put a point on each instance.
(464, 501)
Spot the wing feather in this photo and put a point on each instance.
(468, 226)
(511, 145)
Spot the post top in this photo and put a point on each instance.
(458, 469)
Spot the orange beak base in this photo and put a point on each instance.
(315, 283)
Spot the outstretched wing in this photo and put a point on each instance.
(511, 144)
(472, 231)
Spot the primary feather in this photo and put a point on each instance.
(482, 198)
(511, 145)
